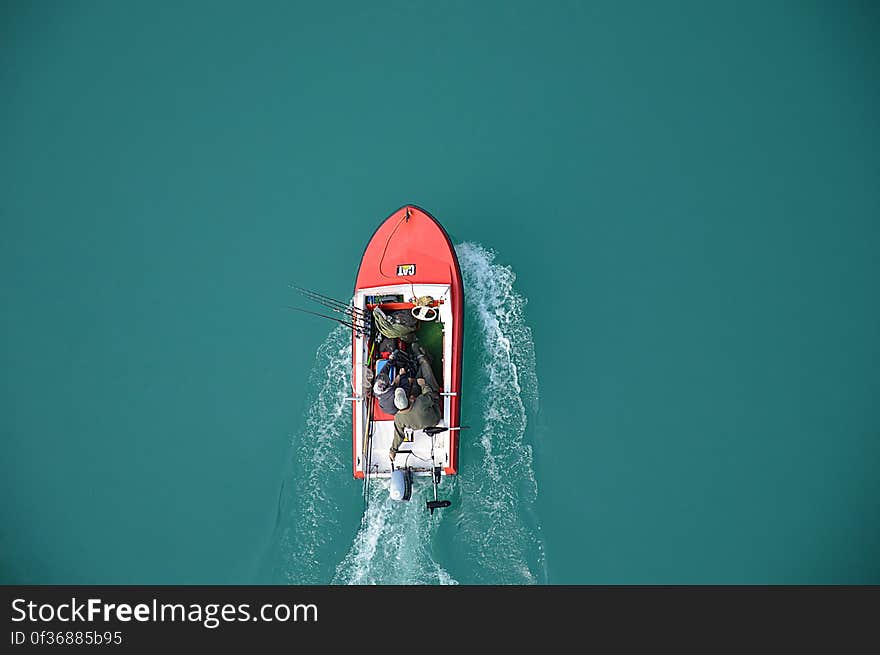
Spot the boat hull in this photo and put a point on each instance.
(409, 255)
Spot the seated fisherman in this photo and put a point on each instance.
(421, 409)
(384, 390)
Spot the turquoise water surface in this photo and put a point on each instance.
(667, 220)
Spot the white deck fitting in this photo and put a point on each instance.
(420, 461)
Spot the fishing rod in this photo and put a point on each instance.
(329, 302)
(335, 305)
(316, 294)
(344, 309)
(354, 326)
(368, 447)
(368, 443)
(348, 310)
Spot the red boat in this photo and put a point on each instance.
(410, 266)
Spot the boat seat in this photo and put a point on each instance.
(381, 364)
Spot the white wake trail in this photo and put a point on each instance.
(394, 543)
(320, 472)
(497, 478)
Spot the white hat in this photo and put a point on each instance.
(400, 399)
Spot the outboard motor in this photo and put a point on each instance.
(401, 484)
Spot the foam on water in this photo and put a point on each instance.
(499, 527)
(394, 543)
(311, 504)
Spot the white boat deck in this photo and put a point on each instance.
(426, 452)
(423, 456)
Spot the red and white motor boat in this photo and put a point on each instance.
(409, 257)
(409, 270)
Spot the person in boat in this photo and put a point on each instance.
(421, 408)
(384, 390)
